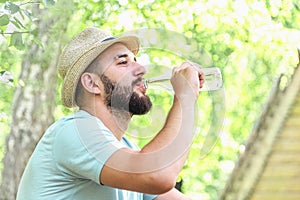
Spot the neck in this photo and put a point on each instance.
(117, 121)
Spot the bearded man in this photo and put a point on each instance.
(85, 155)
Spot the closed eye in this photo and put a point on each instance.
(123, 62)
(123, 59)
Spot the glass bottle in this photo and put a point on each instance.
(212, 80)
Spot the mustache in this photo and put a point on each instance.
(111, 85)
(136, 81)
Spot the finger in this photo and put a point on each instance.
(177, 69)
(190, 64)
(197, 67)
(201, 75)
(201, 78)
(185, 65)
(201, 83)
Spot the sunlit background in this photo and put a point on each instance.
(251, 41)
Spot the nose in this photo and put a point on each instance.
(139, 70)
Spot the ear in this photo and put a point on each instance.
(90, 83)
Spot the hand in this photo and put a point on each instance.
(198, 68)
(186, 80)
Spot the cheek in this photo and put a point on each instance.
(115, 76)
(124, 80)
(120, 77)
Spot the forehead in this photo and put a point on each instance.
(115, 50)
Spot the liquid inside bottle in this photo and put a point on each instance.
(212, 80)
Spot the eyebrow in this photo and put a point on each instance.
(125, 55)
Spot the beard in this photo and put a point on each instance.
(124, 98)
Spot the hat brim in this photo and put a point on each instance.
(73, 75)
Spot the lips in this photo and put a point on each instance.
(140, 85)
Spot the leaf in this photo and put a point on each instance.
(38, 42)
(22, 15)
(29, 15)
(19, 22)
(16, 24)
(2, 29)
(49, 2)
(16, 40)
(4, 20)
(13, 8)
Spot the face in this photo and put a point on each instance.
(122, 81)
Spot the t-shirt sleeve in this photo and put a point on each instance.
(82, 147)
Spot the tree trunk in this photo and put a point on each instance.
(34, 101)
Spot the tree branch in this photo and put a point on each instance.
(11, 33)
(29, 2)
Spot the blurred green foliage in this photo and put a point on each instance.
(251, 41)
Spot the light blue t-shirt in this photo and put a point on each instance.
(68, 160)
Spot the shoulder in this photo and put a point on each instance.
(83, 135)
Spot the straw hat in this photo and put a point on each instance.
(80, 52)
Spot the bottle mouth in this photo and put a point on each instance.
(145, 83)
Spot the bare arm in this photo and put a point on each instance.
(154, 169)
(173, 194)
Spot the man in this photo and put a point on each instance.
(85, 155)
